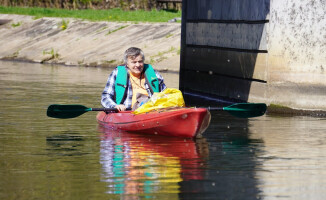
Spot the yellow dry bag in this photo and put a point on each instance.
(168, 98)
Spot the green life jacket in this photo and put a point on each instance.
(122, 79)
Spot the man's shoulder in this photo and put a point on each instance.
(119, 67)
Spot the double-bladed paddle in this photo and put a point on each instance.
(71, 111)
(242, 110)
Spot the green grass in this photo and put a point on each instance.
(16, 24)
(116, 15)
(121, 27)
(64, 24)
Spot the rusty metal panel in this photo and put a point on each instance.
(230, 35)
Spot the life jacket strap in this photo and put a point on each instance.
(151, 78)
(121, 84)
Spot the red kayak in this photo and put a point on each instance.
(181, 122)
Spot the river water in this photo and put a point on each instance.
(268, 157)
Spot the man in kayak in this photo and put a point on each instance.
(130, 81)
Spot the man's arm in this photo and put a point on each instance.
(108, 94)
(161, 81)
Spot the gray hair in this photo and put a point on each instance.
(132, 52)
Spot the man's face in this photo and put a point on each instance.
(135, 65)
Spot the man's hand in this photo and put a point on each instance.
(121, 107)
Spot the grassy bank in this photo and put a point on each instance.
(96, 15)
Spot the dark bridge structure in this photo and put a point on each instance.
(223, 49)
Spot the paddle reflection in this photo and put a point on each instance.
(149, 165)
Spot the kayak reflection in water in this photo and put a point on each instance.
(149, 166)
(132, 83)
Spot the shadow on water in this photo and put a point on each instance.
(231, 165)
(65, 144)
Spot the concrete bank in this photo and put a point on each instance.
(78, 42)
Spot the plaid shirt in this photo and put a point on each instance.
(108, 95)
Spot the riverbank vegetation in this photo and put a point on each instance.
(115, 14)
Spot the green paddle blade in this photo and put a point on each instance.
(66, 111)
(246, 110)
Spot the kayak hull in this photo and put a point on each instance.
(180, 122)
